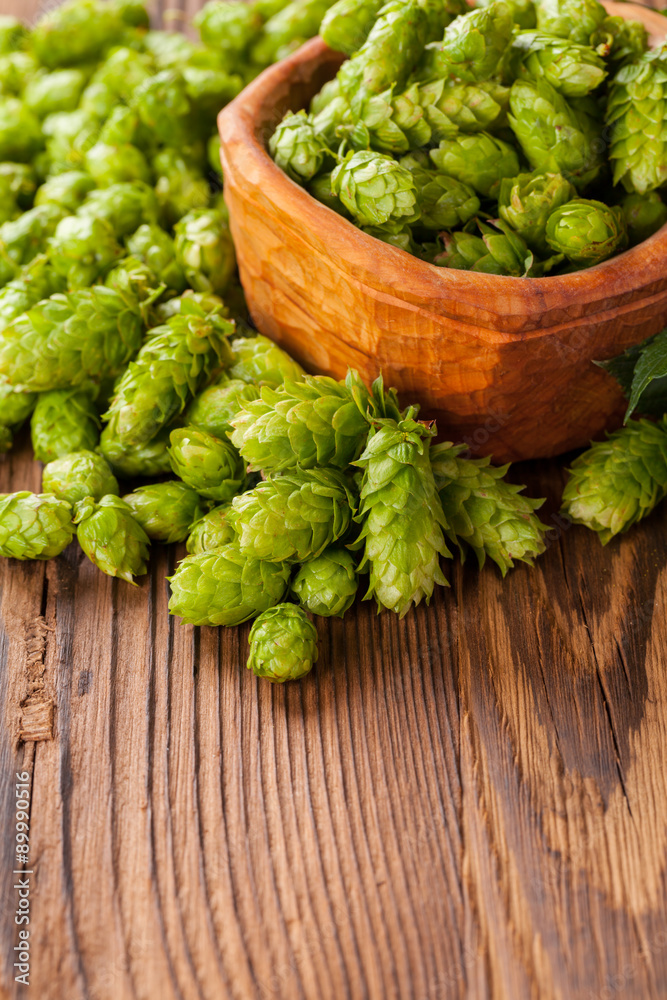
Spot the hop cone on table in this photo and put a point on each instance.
(473, 46)
(210, 466)
(587, 232)
(374, 188)
(215, 408)
(619, 481)
(297, 148)
(637, 116)
(259, 359)
(644, 215)
(327, 585)
(577, 20)
(526, 202)
(293, 517)
(64, 421)
(23, 238)
(228, 27)
(70, 339)
(34, 526)
(79, 475)
(204, 249)
(145, 460)
(166, 511)
(67, 190)
(318, 421)
(573, 70)
(75, 32)
(485, 512)
(111, 537)
(15, 408)
(480, 160)
(174, 362)
(124, 206)
(225, 587)
(155, 247)
(211, 531)
(522, 11)
(401, 515)
(283, 644)
(555, 137)
(37, 281)
(82, 247)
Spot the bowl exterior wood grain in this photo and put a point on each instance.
(504, 364)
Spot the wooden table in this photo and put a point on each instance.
(467, 803)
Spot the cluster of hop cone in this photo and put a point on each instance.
(114, 254)
(519, 138)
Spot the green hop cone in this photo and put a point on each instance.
(526, 202)
(374, 187)
(17, 187)
(68, 340)
(443, 202)
(522, 11)
(479, 160)
(164, 106)
(628, 40)
(75, 32)
(204, 249)
(166, 511)
(124, 206)
(210, 466)
(474, 45)
(225, 587)
(117, 163)
(64, 421)
(327, 586)
(146, 460)
(401, 515)
(617, 482)
(181, 186)
(12, 33)
(47, 93)
(495, 252)
(37, 280)
(346, 25)
(259, 359)
(228, 27)
(587, 232)
(287, 29)
(215, 408)
(316, 422)
(485, 512)
(21, 135)
(34, 526)
(15, 408)
(283, 644)
(577, 20)
(111, 537)
(637, 117)
(644, 215)
(293, 517)
(573, 70)
(174, 362)
(212, 531)
(554, 136)
(22, 239)
(297, 148)
(450, 107)
(81, 248)
(135, 280)
(79, 475)
(151, 244)
(67, 190)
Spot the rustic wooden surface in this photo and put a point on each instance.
(472, 349)
(469, 803)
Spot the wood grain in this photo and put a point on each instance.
(474, 350)
(469, 803)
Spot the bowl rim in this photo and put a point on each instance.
(240, 126)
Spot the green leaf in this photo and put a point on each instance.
(641, 372)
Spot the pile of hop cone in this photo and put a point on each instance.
(519, 138)
(123, 342)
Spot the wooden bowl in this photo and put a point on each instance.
(504, 364)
